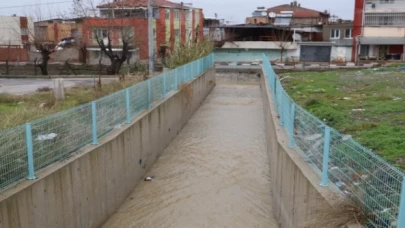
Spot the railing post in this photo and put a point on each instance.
(149, 94)
(128, 106)
(199, 66)
(94, 122)
(326, 149)
(401, 212)
(185, 72)
(164, 84)
(292, 125)
(176, 80)
(192, 69)
(280, 107)
(30, 151)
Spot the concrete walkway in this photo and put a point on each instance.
(214, 174)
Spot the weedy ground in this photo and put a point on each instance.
(367, 104)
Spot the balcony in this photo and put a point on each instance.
(384, 19)
(375, 6)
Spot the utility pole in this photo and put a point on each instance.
(150, 39)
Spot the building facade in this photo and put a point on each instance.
(14, 37)
(55, 30)
(295, 15)
(173, 24)
(379, 30)
(259, 17)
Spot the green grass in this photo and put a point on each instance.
(333, 96)
(16, 110)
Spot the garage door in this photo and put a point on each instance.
(315, 53)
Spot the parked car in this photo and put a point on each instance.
(65, 42)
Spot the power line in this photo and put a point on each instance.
(39, 4)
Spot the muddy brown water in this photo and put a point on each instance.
(214, 174)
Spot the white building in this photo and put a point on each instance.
(15, 30)
(379, 28)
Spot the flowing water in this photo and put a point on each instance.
(214, 174)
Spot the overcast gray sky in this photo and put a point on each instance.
(234, 10)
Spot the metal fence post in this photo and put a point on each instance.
(191, 68)
(176, 82)
(292, 125)
(401, 212)
(94, 122)
(149, 94)
(199, 63)
(184, 71)
(164, 84)
(128, 106)
(30, 151)
(326, 149)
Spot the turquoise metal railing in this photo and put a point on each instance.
(26, 149)
(377, 186)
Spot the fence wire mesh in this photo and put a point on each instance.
(356, 171)
(13, 156)
(56, 136)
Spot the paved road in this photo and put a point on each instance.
(24, 86)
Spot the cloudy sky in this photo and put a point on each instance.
(232, 10)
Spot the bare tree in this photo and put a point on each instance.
(84, 8)
(105, 42)
(283, 37)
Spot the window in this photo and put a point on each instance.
(334, 33)
(24, 31)
(176, 14)
(176, 33)
(387, 1)
(167, 14)
(282, 21)
(100, 33)
(389, 19)
(348, 33)
(127, 34)
(197, 17)
(154, 33)
(156, 13)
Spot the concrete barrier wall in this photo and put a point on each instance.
(296, 193)
(86, 189)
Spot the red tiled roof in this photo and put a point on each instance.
(140, 3)
(298, 11)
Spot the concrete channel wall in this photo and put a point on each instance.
(84, 190)
(296, 193)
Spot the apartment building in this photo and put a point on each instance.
(173, 24)
(379, 30)
(14, 38)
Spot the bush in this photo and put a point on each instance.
(186, 53)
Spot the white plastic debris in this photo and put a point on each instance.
(313, 137)
(358, 110)
(42, 105)
(346, 137)
(347, 98)
(149, 178)
(397, 99)
(46, 137)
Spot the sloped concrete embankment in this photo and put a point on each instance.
(86, 189)
(296, 193)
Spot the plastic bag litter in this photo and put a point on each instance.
(46, 137)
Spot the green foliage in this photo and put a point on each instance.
(186, 53)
